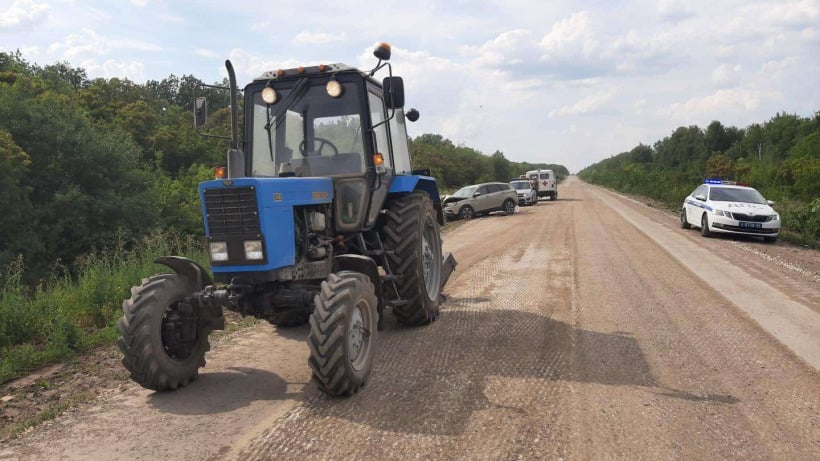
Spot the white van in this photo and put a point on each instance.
(544, 182)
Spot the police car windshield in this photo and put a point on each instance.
(465, 191)
(521, 185)
(730, 194)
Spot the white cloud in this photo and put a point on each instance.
(88, 43)
(570, 37)
(139, 3)
(719, 103)
(318, 38)
(675, 10)
(79, 46)
(111, 68)
(510, 47)
(726, 75)
(23, 15)
(790, 13)
(587, 105)
(249, 66)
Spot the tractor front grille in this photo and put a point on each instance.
(232, 211)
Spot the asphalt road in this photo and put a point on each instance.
(590, 327)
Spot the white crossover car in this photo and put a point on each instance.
(726, 207)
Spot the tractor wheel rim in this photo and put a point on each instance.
(431, 269)
(357, 337)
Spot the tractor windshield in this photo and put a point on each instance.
(316, 134)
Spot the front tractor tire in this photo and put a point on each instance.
(342, 332)
(413, 247)
(161, 344)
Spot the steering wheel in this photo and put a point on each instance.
(322, 143)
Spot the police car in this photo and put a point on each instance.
(727, 207)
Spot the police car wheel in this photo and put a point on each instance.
(683, 222)
(704, 226)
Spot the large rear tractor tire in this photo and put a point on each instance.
(342, 332)
(155, 338)
(413, 247)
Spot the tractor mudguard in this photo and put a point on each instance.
(366, 266)
(448, 265)
(196, 275)
(410, 183)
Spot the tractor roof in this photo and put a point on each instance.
(306, 71)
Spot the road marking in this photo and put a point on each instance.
(793, 324)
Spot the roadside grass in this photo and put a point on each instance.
(48, 413)
(66, 315)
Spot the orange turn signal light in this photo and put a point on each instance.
(300, 70)
(280, 72)
(378, 159)
(219, 172)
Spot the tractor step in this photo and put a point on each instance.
(396, 303)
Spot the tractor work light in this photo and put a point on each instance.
(269, 95)
(253, 250)
(334, 88)
(378, 159)
(219, 172)
(218, 251)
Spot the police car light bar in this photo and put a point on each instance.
(718, 181)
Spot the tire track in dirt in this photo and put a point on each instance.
(480, 383)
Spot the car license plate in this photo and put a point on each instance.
(751, 225)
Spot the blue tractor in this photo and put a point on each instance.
(319, 219)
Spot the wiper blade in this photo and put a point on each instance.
(295, 95)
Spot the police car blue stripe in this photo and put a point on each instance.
(699, 205)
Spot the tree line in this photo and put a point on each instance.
(780, 158)
(88, 164)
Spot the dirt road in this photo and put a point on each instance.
(590, 327)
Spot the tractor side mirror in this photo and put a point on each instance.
(393, 92)
(412, 115)
(200, 112)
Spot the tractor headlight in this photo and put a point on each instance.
(253, 250)
(334, 88)
(219, 251)
(269, 95)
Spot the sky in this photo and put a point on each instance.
(562, 81)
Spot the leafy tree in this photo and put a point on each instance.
(83, 181)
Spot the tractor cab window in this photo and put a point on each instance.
(308, 131)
